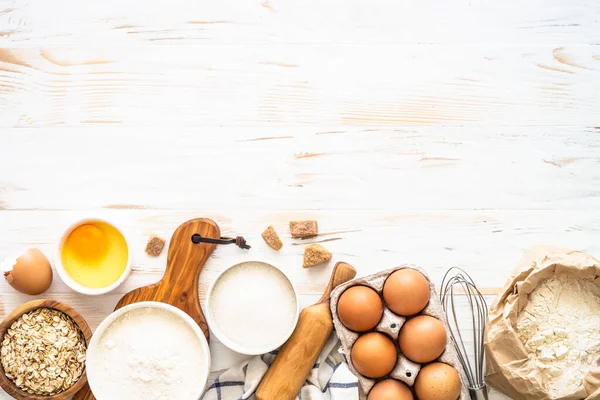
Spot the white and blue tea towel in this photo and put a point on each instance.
(330, 378)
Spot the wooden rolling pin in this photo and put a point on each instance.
(295, 359)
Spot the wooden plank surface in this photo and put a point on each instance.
(295, 168)
(182, 22)
(304, 84)
(437, 133)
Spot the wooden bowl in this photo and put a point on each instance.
(8, 384)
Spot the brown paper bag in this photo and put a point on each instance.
(507, 364)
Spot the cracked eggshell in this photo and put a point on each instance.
(30, 273)
(405, 370)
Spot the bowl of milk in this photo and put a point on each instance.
(148, 350)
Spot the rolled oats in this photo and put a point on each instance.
(43, 352)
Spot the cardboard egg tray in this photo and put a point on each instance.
(405, 370)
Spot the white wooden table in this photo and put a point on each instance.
(431, 132)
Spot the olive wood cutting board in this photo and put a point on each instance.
(179, 285)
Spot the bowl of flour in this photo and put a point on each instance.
(148, 350)
(252, 308)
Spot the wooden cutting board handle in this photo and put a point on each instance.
(295, 359)
(179, 285)
(185, 260)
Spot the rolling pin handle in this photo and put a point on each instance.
(342, 272)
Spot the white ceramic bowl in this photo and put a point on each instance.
(93, 375)
(75, 285)
(240, 347)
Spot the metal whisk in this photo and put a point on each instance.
(457, 282)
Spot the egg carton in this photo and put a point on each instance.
(405, 370)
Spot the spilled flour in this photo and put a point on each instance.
(560, 328)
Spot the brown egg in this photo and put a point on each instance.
(406, 292)
(390, 389)
(422, 339)
(374, 355)
(438, 381)
(360, 308)
(30, 273)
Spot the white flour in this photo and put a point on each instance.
(560, 328)
(149, 354)
(253, 305)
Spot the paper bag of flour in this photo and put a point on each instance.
(536, 332)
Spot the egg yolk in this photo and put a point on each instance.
(89, 243)
(95, 254)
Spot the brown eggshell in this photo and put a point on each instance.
(390, 389)
(406, 292)
(422, 339)
(360, 308)
(374, 355)
(438, 381)
(32, 273)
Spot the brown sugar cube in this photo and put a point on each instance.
(272, 238)
(315, 254)
(155, 246)
(304, 229)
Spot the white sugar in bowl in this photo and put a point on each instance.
(252, 308)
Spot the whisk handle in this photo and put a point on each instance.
(479, 393)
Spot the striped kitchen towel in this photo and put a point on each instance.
(329, 379)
